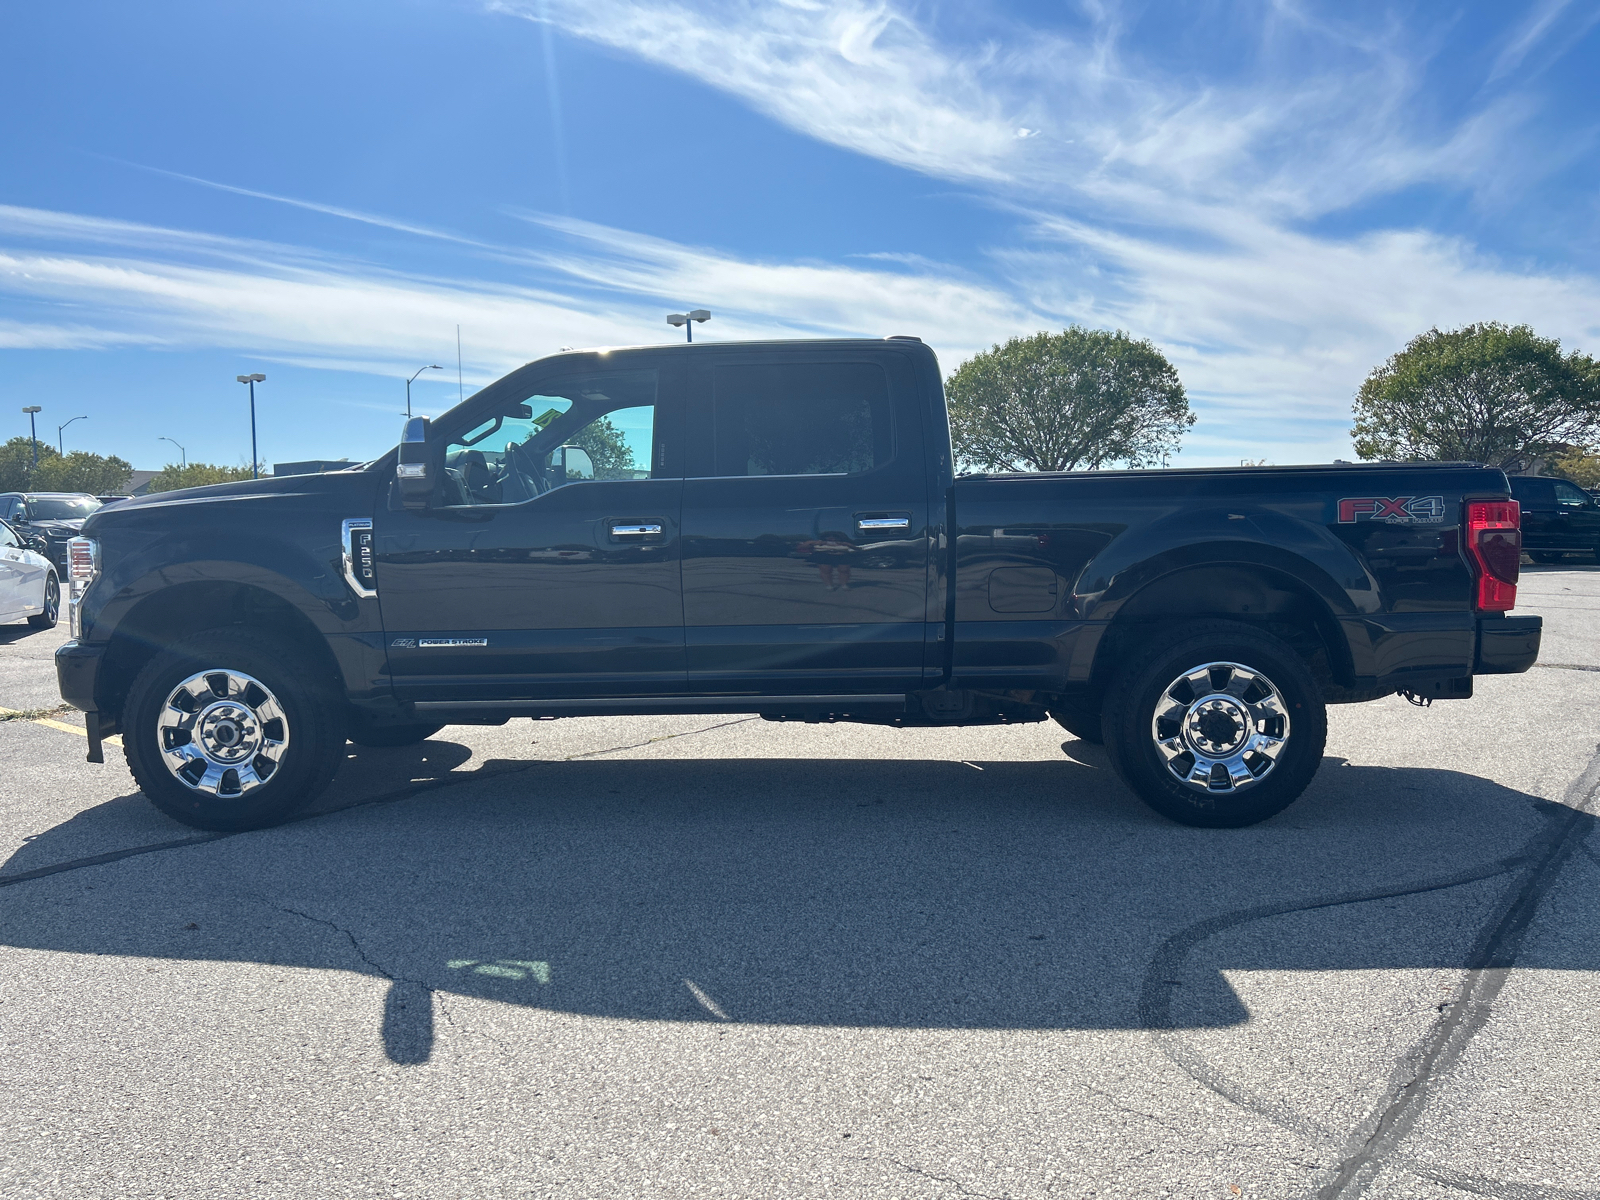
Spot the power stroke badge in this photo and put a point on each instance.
(1400, 510)
(433, 643)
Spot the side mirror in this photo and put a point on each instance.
(38, 543)
(412, 474)
(577, 463)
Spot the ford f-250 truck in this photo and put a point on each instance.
(774, 528)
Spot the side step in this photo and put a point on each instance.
(470, 710)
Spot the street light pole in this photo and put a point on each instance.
(252, 380)
(409, 382)
(33, 433)
(61, 446)
(181, 450)
(688, 319)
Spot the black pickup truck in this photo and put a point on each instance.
(774, 528)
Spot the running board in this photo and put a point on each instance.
(645, 705)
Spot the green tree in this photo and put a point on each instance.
(1079, 399)
(79, 471)
(1579, 465)
(608, 450)
(172, 476)
(1488, 393)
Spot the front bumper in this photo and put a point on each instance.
(1507, 645)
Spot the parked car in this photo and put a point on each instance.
(30, 589)
(54, 516)
(1558, 518)
(774, 528)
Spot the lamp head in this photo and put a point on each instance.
(258, 378)
(677, 319)
(32, 408)
(700, 314)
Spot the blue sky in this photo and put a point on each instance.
(1279, 194)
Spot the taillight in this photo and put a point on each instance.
(83, 559)
(1494, 539)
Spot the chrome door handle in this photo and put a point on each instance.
(881, 523)
(636, 531)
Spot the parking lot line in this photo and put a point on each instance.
(114, 740)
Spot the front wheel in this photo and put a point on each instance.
(52, 605)
(1216, 725)
(228, 730)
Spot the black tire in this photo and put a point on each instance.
(52, 604)
(385, 736)
(1080, 720)
(1546, 556)
(1257, 784)
(303, 706)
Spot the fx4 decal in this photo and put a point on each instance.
(1402, 510)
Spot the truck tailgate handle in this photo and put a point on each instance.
(882, 524)
(636, 529)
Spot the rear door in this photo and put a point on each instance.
(1540, 527)
(1578, 515)
(805, 524)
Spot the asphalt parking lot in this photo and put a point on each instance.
(726, 957)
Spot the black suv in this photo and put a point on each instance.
(52, 517)
(1558, 518)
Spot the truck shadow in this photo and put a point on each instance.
(896, 893)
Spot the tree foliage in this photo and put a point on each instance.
(608, 449)
(172, 476)
(1082, 398)
(1579, 465)
(79, 471)
(1487, 393)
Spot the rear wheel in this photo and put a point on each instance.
(52, 605)
(227, 731)
(1217, 725)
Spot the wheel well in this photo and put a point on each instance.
(1270, 600)
(189, 608)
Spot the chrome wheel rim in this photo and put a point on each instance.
(52, 599)
(1220, 727)
(222, 733)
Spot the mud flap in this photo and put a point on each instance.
(91, 721)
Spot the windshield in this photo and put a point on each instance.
(60, 508)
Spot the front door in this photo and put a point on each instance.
(805, 523)
(547, 566)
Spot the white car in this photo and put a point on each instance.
(29, 587)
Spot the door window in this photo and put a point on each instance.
(1532, 493)
(578, 429)
(8, 540)
(1570, 495)
(800, 419)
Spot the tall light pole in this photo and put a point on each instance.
(61, 446)
(409, 382)
(252, 380)
(33, 433)
(181, 450)
(688, 319)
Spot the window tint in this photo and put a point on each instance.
(1570, 495)
(800, 419)
(61, 508)
(1530, 491)
(579, 429)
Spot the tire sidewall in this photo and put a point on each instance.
(1132, 748)
(309, 760)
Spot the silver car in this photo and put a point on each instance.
(29, 586)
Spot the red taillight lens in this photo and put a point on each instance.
(1494, 539)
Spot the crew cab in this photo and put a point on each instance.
(774, 528)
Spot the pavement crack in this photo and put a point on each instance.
(1489, 965)
(394, 796)
(355, 943)
(949, 1179)
(667, 737)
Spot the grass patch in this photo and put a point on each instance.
(33, 714)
